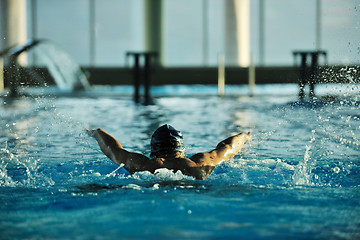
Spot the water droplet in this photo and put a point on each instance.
(336, 169)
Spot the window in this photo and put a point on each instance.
(100, 32)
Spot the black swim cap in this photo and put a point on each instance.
(166, 139)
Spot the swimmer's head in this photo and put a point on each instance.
(166, 140)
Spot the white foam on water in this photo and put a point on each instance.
(162, 174)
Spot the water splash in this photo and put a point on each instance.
(65, 71)
(302, 174)
(5, 179)
(21, 172)
(112, 174)
(162, 175)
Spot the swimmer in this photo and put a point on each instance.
(167, 151)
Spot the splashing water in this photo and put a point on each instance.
(65, 72)
(302, 173)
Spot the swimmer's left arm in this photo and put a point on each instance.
(231, 146)
(225, 150)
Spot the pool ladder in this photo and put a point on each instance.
(145, 72)
(308, 74)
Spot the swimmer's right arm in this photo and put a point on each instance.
(108, 145)
(133, 162)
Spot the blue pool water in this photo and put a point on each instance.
(299, 178)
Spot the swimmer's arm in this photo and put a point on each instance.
(226, 149)
(108, 145)
(133, 162)
(229, 147)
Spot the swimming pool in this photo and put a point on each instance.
(299, 177)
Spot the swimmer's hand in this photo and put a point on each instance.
(248, 136)
(90, 132)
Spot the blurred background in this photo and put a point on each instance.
(187, 33)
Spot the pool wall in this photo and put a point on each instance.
(202, 75)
